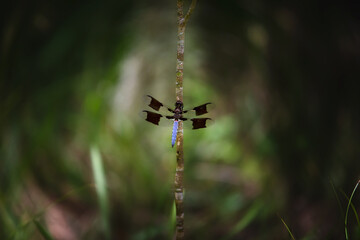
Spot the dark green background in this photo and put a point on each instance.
(284, 76)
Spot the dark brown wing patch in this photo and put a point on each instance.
(199, 122)
(152, 117)
(200, 110)
(155, 104)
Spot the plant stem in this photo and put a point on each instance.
(347, 211)
(179, 174)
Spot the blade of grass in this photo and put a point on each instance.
(352, 207)
(100, 183)
(347, 210)
(43, 231)
(18, 228)
(287, 228)
(7, 220)
(172, 221)
(246, 220)
(337, 198)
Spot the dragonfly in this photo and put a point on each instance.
(176, 115)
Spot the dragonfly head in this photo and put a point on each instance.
(179, 106)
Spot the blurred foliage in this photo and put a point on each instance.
(284, 80)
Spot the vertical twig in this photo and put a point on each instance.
(179, 174)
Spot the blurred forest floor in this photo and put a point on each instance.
(77, 162)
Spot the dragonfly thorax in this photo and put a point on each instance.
(177, 115)
(178, 111)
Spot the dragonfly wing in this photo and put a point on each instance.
(156, 118)
(199, 110)
(157, 105)
(198, 123)
(202, 109)
(152, 117)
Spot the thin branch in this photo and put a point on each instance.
(180, 50)
(179, 174)
(190, 11)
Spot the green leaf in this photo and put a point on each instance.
(100, 186)
(43, 231)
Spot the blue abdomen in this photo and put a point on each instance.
(174, 133)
